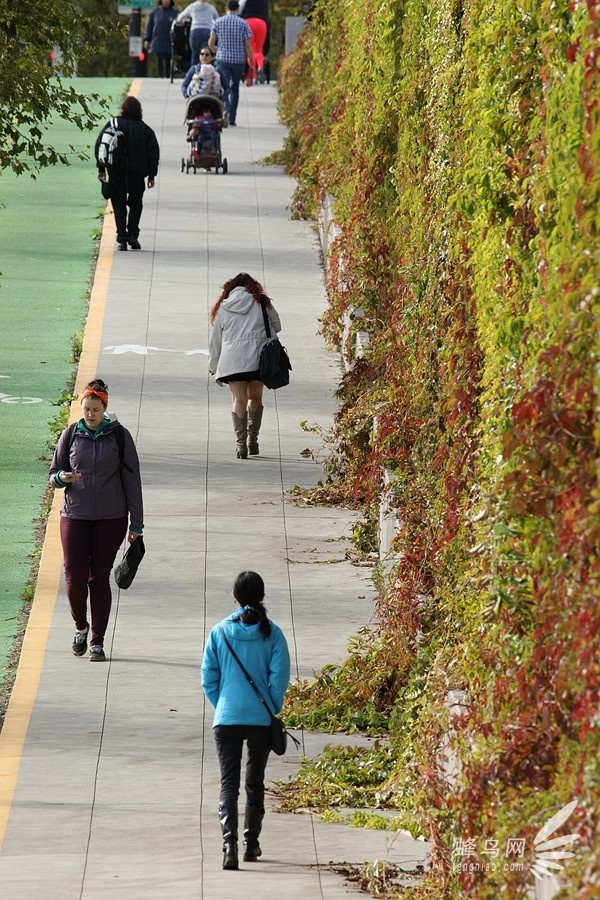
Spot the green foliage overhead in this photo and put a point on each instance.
(32, 89)
(460, 144)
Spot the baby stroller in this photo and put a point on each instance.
(204, 152)
(181, 55)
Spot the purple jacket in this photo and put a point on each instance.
(105, 490)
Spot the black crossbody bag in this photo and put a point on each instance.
(274, 363)
(279, 733)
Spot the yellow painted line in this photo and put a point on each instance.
(24, 692)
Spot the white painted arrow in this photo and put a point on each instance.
(142, 350)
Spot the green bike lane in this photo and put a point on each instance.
(49, 228)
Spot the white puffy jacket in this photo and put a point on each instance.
(238, 334)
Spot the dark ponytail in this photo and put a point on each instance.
(249, 591)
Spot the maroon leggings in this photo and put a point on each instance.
(89, 550)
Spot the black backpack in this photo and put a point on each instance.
(119, 434)
(112, 150)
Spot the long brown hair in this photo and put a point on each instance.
(249, 284)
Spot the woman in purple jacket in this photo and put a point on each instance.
(97, 464)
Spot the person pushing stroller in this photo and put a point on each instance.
(203, 93)
(204, 122)
(202, 78)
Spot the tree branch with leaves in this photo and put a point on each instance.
(33, 88)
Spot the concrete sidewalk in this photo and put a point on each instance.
(117, 784)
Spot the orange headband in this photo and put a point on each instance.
(89, 392)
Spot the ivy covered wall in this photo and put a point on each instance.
(460, 142)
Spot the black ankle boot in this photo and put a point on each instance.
(251, 854)
(230, 855)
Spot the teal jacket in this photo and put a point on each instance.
(227, 688)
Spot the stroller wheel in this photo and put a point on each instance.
(182, 164)
(224, 167)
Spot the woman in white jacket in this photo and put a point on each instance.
(202, 14)
(238, 336)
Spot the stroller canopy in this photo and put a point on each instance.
(201, 102)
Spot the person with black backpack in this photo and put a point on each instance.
(96, 463)
(127, 150)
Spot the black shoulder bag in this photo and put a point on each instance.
(274, 363)
(279, 733)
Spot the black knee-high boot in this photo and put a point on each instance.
(228, 817)
(253, 819)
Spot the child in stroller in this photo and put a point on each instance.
(203, 130)
(204, 120)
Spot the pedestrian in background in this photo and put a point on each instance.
(127, 182)
(238, 335)
(239, 714)
(157, 35)
(97, 465)
(202, 14)
(230, 39)
(256, 14)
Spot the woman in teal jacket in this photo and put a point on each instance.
(239, 713)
